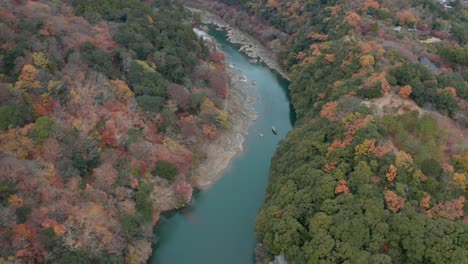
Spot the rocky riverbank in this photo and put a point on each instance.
(249, 44)
(228, 145)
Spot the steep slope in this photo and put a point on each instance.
(358, 183)
(103, 107)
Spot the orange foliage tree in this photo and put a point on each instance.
(353, 19)
(451, 91)
(451, 210)
(329, 111)
(370, 4)
(405, 91)
(394, 202)
(425, 201)
(406, 18)
(392, 173)
(342, 187)
(459, 179)
(329, 167)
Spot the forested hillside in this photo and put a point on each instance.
(376, 169)
(102, 107)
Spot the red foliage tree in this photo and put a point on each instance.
(218, 80)
(179, 95)
(188, 126)
(217, 57)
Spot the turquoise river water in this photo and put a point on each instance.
(218, 226)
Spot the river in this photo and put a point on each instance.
(218, 226)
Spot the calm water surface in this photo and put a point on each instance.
(218, 226)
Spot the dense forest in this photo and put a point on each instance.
(102, 107)
(376, 168)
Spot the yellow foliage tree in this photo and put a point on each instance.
(28, 78)
(404, 159)
(223, 119)
(462, 161)
(15, 200)
(459, 179)
(146, 66)
(207, 104)
(364, 148)
(367, 60)
(40, 60)
(121, 90)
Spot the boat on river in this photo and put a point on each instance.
(273, 129)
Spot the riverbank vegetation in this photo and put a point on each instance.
(357, 181)
(102, 105)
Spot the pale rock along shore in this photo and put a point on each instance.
(249, 44)
(220, 152)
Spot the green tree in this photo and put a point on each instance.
(44, 127)
(150, 103)
(9, 117)
(131, 227)
(165, 169)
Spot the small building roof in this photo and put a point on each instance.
(425, 60)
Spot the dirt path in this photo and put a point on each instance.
(394, 104)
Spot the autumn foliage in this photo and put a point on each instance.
(391, 174)
(28, 78)
(405, 91)
(329, 111)
(394, 202)
(342, 187)
(94, 115)
(451, 209)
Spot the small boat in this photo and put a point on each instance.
(260, 134)
(273, 129)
